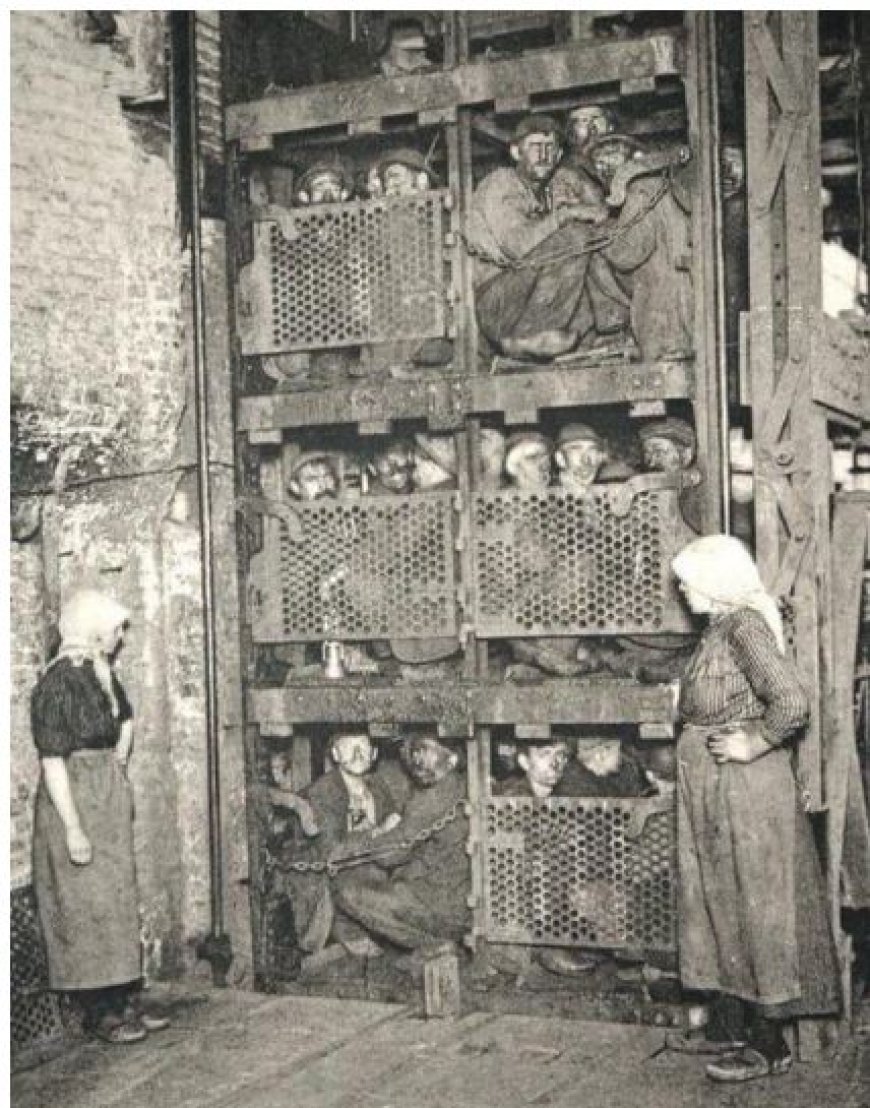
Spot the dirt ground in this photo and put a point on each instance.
(234, 1049)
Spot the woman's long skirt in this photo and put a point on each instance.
(89, 914)
(752, 909)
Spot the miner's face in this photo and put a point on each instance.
(280, 769)
(353, 753)
(401, 180)
(537, 156)
(394, 467)
(544, 764)
(662, 453)
(427, 761)
(491, 445)
(315, 479)
(600, 756)
(608, 160)
(586, 125)
(531, 466)
(579, 463)
(326, 188)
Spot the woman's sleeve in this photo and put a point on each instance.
(773, 677)
(125, 708)
(50, 719)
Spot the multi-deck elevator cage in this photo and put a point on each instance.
(352, 287)
(331, 303)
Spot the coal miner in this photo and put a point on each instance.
(650, 247)
(583, 458)
(539, 287)
(669, 446)
(315, 474)
(416, 896)
(406, 49)
(489, 471)
(403, 172)
(328, 180)
(351, 802)
(586, 124)
(528, 464)
(528, 460)
(543, 766)
(391, 469)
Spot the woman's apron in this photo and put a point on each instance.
(753, 921)
(89, 914)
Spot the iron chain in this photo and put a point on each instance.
(330, 867)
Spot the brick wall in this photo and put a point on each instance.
(100, 351)
(27, 650)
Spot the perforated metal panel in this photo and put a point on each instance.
(580, 872)
(372, 568)
(335, 275)
(35, 1016)
(554, 562)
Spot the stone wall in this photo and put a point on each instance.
(101, 363)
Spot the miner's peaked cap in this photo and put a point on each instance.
(413, 159)
(537, 125)
(579, 432)
(678, 430)
(314, 456)
(334, 164)
(527, 438)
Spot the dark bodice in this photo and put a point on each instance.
(69, 711)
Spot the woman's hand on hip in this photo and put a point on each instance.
(736, 745)
(78, 846)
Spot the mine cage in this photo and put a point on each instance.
(403, 609)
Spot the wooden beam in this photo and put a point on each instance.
(459, 707)
(582, 384)
(445, 401)
(573, 65)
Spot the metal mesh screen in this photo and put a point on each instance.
(343, 274)
(580, 872)
(35, 1015)
(373, 568)
(555, 562)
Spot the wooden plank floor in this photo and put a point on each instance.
(234, 1049)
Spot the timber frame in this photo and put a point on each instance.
(802, 372)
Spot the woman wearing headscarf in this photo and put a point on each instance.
(83, 867)
(754, 928)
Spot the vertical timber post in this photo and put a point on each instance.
(793, 480)
(792, 465)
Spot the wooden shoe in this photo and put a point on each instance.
(747, 1065)
(148, 1021)
(119, 1032)
(152, 1022)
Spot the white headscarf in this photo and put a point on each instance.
(721, 568)
(87, 617)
